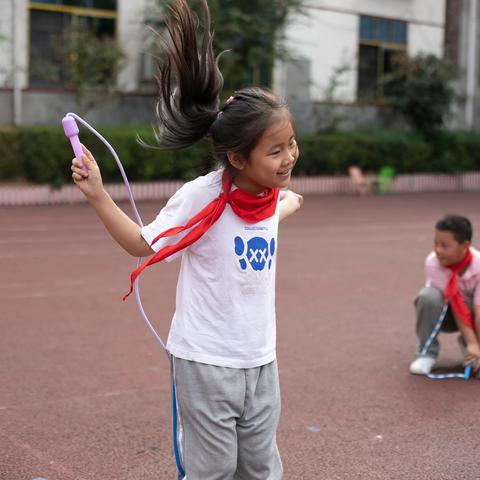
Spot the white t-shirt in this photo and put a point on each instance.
(225, 304)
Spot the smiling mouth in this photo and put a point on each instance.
(284, 172)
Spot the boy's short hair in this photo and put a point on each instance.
(460, 227)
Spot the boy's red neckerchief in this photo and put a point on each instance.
(250, 208)
(461, 311)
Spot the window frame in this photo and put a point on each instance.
(381, 45)
(73, 11)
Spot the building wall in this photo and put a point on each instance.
(327, 40)
(425, 39)
(327, 36)
(35, 106)
(466, 112)
(5, 42)
(13, 42)
(132, 36)
(321, 42)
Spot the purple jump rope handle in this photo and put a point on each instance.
(71, 131)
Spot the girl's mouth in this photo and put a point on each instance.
(285, 173)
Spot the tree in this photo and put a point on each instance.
(420, 88)
(248, 33)
(84, 62)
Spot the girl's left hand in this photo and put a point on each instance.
(290, 202)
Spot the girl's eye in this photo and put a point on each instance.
(276, 152)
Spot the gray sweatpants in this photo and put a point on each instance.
(429, 304)
(228, 419)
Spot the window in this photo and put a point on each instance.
(48, 20)
(98, 4)
(380, 40)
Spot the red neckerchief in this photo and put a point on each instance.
(462, 312)
(250, 208)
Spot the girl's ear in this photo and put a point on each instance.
(236, 160)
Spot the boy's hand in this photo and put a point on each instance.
(473, 355)
(290, 202)
(90, 181)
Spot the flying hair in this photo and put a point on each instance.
(189, 80)
(189, 88)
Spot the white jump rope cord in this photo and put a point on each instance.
(136, 284)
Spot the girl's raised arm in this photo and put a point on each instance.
(120, 226)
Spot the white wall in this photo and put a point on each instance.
(431, 11)
(425, 39)
(7, 57)
(23, 37)
(131, 34)
(327, 39)
(328, 36)
(5, 43)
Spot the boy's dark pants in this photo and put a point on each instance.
(429, 304)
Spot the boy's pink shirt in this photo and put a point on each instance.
(468, 284)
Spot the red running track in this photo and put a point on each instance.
(84, 386)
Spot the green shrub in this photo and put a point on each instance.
(43, 154)
(10, 165)
(333, 153)
(420, 88)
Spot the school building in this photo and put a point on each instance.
(339, 50)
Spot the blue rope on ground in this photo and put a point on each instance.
(442, 376)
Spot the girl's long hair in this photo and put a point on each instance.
(189, 79)
(190, 84)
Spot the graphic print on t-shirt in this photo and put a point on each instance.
(256, 252)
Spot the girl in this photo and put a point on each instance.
(222, 337)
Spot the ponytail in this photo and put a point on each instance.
(190, 84)
(189, 79)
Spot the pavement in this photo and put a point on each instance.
(85, 392)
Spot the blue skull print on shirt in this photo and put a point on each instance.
(256, 252)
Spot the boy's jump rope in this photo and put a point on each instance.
(468, 368)
(71, 131)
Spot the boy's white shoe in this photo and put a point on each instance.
(422, 365)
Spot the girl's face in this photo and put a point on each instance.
(270, 163)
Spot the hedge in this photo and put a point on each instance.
(42, 154)
(445, 152)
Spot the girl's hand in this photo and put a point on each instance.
(90, 181)
(290, 203)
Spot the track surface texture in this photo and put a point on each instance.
(85, 387)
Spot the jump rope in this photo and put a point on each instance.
(71, 131)
(436, 329)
